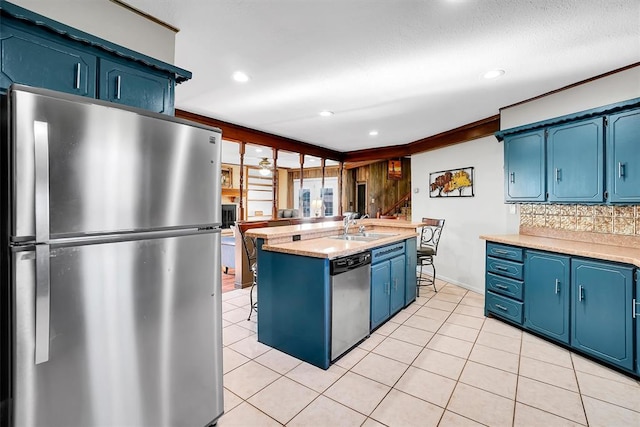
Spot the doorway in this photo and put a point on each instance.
(361, 198)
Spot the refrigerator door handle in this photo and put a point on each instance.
(43, 301)
(41, 163)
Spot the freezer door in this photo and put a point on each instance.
(90, 168)
(134, 335)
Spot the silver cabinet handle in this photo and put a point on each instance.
(78, 70)
(557, 286)
(633, 308)
(387, 288)
(395, 283)
(118, 84)
(500, 251)
(512, 177)
(501, 268)
(43, 301)
(580, 293)
(499, 286)
(557, 172)
(620, 170)
(502, 307)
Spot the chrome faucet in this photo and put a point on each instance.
(348, 220)
(362, 228)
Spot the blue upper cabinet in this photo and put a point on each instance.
(29, 59)
(135, 87)
(40, 52)
(575, 160)
(623, 157)
(524, 167)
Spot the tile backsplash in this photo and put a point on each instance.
(621, 220)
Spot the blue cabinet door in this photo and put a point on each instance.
(40, 62)
(601, 307)
(524, 167)
(410, 279)
(398, 274)
(546, 290)
(636, 311)
(623, 157)
(135, 87)
(575, 162)
(380, 289)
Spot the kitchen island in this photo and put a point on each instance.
(294, 280)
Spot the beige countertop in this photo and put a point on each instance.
(624, 254)
(314, 239)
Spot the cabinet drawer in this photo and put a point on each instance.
(503, 251)
(503, 267)
(504, 307)
(502, 285)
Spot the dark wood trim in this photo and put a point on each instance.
(468, 132)
(572, 85)
(146, 15)
(235, 132)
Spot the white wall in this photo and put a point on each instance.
(107, 20)
(460, 258)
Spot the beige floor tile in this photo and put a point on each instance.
(433, 313)
(450, 345)
(326, 412)
(427, 386)
(248, 379)
(448, 297)
(250, 347)
(500, 328)
(527, 416)
(481, 406)
(457, 331)
(357, 392)
(539, 349)
(468, 310)
(552, 399)
(278, 361)
(449, 288)
(441, 305)
(401, 409)
(227, 307)
(548, 373)
(583, 364)
(604, 414)
(349, 360)
(230, 295)
(468, 321)
(371, 342)
(496, 358)
(387, 328)
(236, 315)
(412, 335)
(234, 333)
(226, 323)
(490, 379)
(230, 400)
(400, 317)
(240, 300)
(314, 377)
(379, 368)
(251, 325)
(232, 359)
(245, 415)
(449, 419)
(283, 399)
(423, 298)
(424, 323)
(411, 309)
(499, 342)
(440, 363)
(473, 300)
(372, 423)
(627, 396)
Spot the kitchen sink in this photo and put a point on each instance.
(362, 237)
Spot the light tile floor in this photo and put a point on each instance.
(437, 362)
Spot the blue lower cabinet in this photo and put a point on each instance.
(547, 286)
(398, 273)
(504, 307)
(601, 311)
(636, 312)
(380, 290)
(410, 278)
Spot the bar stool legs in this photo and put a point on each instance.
(426, 281)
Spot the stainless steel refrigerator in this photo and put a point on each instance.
(110, 290)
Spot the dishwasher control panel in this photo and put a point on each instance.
(341, 265)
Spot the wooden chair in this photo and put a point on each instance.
(251, 249)
(427, 249)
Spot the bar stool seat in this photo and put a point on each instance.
(427, 250)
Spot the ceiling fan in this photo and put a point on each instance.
(265, 167)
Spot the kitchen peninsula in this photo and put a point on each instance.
(296, 287)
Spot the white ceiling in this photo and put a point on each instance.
(407, 68)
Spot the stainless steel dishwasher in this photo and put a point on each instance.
(350, 301)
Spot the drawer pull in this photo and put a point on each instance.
(501, 268)
(557, 286)
(499, 286)
(502, 307)
(500, 251)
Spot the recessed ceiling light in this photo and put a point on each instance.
(258, 150)
(493, 74)
(326, 113)
(241, 77)
(373, 133)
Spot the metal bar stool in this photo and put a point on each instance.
(428, 248)
(251, 249)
